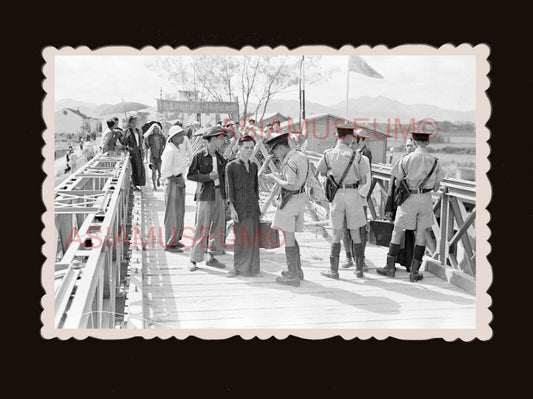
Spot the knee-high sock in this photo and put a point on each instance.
(347, 239)
(362, 231)
(335, 249)
(394, 249)
(359, 250)
(419, 252)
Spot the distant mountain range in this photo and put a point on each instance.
(380, 108)
(95, 110)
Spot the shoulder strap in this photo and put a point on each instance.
(326, 158)
(401, 165)
(347, 168)
(306, 173)
(429, 174)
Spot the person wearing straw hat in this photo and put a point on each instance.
(344, 165)
(289, 216)
(422, 173)
(133, 141)
(208, 170)
(173, 168)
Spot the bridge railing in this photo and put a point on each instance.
(454, 209)
(91, 211)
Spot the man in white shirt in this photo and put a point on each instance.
(173, 168)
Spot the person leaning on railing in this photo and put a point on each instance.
(423, 174)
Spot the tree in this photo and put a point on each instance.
(223, 78)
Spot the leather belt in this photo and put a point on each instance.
(299, 191)
(352, 185)
(420, 191)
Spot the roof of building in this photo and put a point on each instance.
(327, 115)
(79, 113)
(273, 114)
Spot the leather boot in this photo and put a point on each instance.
(333, 271)
(291, 277)
(359, 263)
(299, 263)
(414, 275)
(349, 263)
(390, 269)
(365, 267)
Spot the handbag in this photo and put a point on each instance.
(331, 185)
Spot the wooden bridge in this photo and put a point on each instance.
(104, 278)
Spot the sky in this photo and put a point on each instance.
(445, 81)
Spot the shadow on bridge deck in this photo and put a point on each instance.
(176, 298)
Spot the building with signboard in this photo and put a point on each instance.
(172, 109)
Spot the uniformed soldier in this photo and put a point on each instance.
(361, 135)
(289, 216)
(347, 204)
(416, 213)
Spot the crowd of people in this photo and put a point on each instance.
(232, 183)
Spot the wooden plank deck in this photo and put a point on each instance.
(176, 298)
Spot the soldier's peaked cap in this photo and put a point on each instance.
(420, 136)
(344, 128)
(277, 138)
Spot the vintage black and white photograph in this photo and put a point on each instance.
(313, 192)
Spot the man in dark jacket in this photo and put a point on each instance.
(208, 170)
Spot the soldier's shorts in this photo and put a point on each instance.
(291, 217)
(415, 212)
(348, 205)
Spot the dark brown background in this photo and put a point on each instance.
(292, 366)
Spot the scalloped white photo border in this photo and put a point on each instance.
(483, 330)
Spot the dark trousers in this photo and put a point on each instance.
(174, 211)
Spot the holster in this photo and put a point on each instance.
(285, 195)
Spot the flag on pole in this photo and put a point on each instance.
(357, 64)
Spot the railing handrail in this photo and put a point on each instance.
(98, 212)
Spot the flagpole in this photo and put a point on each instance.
(347, 87)
(300, 96)
(303, 89)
